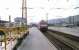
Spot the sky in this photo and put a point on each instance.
(39, 9)
(10, 8)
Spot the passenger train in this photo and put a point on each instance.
(43, 26)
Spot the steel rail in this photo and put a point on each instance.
(62, 42)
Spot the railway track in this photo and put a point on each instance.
(61, 41)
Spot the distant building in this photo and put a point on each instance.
(19, 21)
(56, 21)
(72, 20)
(3, 23)
(69, 20)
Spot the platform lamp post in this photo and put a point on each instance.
(24, 10)
(24, 14)
(9, 24)
(10, 29)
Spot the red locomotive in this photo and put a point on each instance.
(43, 26)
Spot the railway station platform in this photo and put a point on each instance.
(71, 31)
(36, 41)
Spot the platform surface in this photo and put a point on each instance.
(36, 41)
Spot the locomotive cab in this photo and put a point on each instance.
(43, 26)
